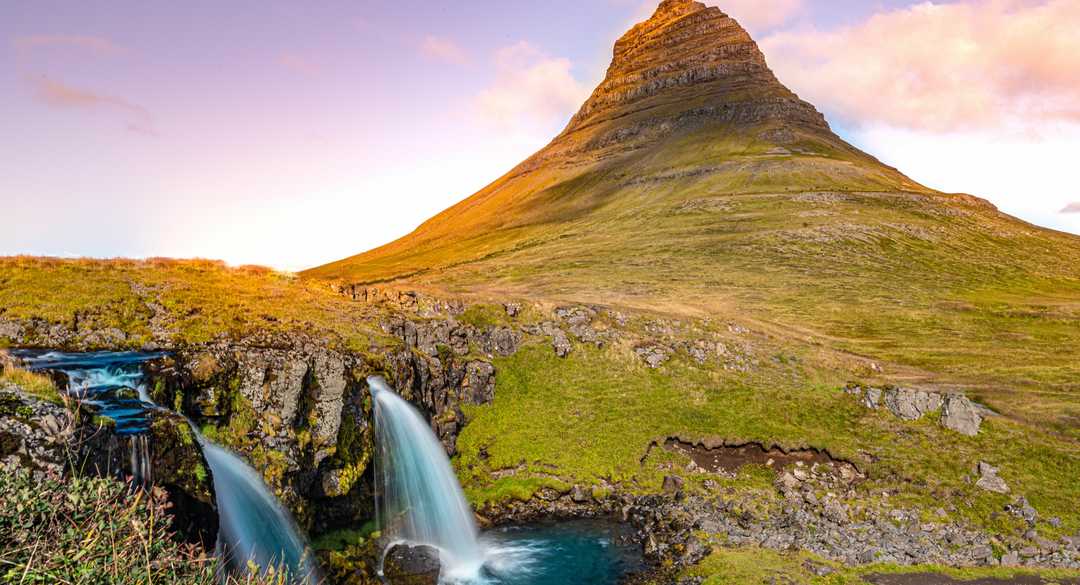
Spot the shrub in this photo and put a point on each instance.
(95, 530)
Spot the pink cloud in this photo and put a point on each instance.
(91, 44)
(967, 65)
(1072, 208)
(760, 14)
(298, 64)
(59, 95)
(530, 87)
(443, 49)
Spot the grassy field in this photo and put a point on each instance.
(759, 567)
(192, 301)
(590, 418)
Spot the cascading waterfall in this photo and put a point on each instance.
(419, 498)
(253, 525)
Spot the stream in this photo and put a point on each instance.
(419, 501)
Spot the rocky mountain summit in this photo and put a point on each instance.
(687, 65)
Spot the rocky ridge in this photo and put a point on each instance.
(686, 66)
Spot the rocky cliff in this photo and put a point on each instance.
(687, 65)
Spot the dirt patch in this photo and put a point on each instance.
(718, 457)
(936, 579)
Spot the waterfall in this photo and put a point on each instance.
(141, 472)
(419, 499)
(253, 525)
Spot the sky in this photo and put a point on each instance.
(290, 134)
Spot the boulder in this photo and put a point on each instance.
(989, 479)
(911, 404)
(872, 398)
(653, 355)
(961, 415)
(673, 484)
(412, 565)
(561, 343)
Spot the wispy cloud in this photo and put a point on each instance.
(298, 64)
(530, 87)
(89, 44)
(444, 49)
(1072, 208)
(967, 65)
(58, 95)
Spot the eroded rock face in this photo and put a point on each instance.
(33, 433)
(686, 65)
(300, 412)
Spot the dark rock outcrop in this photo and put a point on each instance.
(168, 456)
(34, 433)
(412, 565)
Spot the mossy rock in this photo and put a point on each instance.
(179, 467)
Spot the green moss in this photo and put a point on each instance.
(202, 298)
(483, 316)
(512, 488)
(353, 451)
(344, 538)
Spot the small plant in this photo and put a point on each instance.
(97, 530)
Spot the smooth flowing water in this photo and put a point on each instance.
(419, 501)
(253, 525)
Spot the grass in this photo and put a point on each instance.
(761, 566)
(590, 418)
(36, 384)
(92, 530)
(825, 247)
(191, 301)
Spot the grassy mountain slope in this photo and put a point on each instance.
(693, 183)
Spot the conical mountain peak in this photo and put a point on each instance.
(688, 106)
(687, 65)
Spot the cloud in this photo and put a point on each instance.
(443, 49)
(58, 95)
(760, 14)
(90, 44)
(530, 88)
(298, 64)
(1072, 208)
(962, 66)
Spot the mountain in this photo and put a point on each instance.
(697, 309)
(694, 182)
(688, 98)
